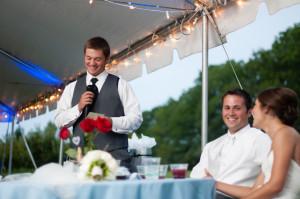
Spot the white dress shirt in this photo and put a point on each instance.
(66, 115)
(234, 158)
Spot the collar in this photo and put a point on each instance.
(237, 134)
(101, 76)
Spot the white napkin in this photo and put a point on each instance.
(143, 142)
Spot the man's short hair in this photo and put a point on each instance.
(242, 93)
(98, 43)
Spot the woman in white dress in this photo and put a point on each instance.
(275, 111)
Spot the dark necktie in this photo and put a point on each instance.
(92, 88)
(94, 80)
(95, 88)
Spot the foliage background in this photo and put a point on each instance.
(176, 125)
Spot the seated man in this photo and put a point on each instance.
(236, 157)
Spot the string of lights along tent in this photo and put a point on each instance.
(183, 25)
(179, 26)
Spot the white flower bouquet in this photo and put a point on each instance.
(97, 165)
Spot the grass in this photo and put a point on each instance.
(17, 171)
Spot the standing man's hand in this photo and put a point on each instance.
(86, 98)
(108, 119)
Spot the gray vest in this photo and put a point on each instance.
(108, 103)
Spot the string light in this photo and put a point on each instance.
(155, 37)
(195, 21)
(127, 63)
(131, 6)
(114, 62)
(240, 2)
(136, 59)
(173, 39)
(215, 13)
(148, 53)
(91, 1)
(52, 98)
(167, 14)
(197, 5)
(186, 26)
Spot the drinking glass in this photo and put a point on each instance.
(141, 171)
(178, 170)
(163, 168)
(151, 167)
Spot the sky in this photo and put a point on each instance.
(155, 89)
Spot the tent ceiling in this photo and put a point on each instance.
(50, 34)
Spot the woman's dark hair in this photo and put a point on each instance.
(98, 43)
(282, 101)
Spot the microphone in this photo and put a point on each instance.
(88, 107)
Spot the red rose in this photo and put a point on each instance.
(88, 125)
(64, 133)
(103, 125)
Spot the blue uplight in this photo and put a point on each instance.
(6, 113)
(38, 72)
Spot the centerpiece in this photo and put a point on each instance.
(93, 164)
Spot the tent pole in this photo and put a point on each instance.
(204, 80)
(4, 150)
(28, 149)
(11, 144)
(61, 148)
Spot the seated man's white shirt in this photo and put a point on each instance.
(66, 115)
(234, 158)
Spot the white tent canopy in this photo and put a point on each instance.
(48, 36)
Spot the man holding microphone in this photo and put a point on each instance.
(103, 93)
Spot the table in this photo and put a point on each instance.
(128, 189)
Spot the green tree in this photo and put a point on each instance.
(44, 146)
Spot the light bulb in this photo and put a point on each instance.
(167, 14)
(240, 2)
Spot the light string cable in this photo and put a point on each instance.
(136, 58)
(133, 5)
(222, 43)
(188, 21)
(174, 36)
(128, 55)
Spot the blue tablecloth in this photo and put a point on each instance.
(135, 189)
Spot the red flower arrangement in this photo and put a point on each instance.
(103, 125)
(64, 133)
(88, 125)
